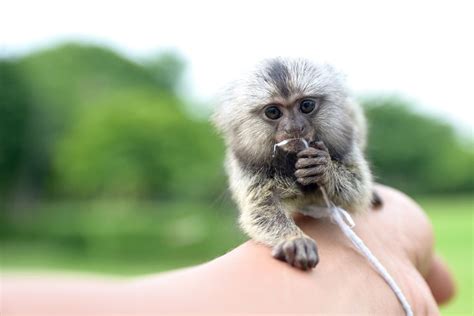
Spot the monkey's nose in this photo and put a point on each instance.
(295, 130)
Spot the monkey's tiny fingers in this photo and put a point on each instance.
(300, 252)
(319, 145)
(308, 152)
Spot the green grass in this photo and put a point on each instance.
(453, 224)
(129, 239)
(117, 238)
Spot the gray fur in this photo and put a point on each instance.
(268, 193)
(279, 75)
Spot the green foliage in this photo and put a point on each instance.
(138, 144)
(167, 70)
(71, 74)
(116, 236)
(453, 225)
(15, 107)
(416, 153)
(64, 79)
(70, 135)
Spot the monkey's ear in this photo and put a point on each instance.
(222, 104)
(216, 120)
(226, 112)
(220, 119)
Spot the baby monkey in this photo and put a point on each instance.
(287, 101)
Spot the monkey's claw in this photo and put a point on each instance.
(300, 252)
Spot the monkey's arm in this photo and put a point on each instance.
(264, 218)
(262, 215)
(347, 182)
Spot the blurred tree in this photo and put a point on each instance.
(15, 107)
(167, 69)
(414, 152)
(137, 144)
(67, 80)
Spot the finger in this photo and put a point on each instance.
(302, 173)
(309, 162)
(289, 250)
(308, 152)
(312, 254)
(301, 261)
(440, 281)
(278, 252)
(308, 180)
(320, 145)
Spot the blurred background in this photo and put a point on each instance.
(108, 163)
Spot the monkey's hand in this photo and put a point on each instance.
(300, 252)
(312, 166)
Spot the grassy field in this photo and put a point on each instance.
(118, 238)
(126, 239)
(453, 223)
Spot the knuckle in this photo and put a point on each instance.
(301, 257)
(288, 247)
(277, 253)
(302, 162)
(319, 170)
(321, 153)
(314, 161)
(318, 160)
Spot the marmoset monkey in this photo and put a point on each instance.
(286, 99)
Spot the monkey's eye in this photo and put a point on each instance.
(307, 106)
(273, 112)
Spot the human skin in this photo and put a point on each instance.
(249, 280)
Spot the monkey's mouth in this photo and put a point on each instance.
(291, 145)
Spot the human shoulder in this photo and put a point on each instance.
(415, 231)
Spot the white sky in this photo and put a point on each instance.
(422, 50)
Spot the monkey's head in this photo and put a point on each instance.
(283, 99)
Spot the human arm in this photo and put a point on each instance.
(249, 280)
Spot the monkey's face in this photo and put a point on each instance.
(292, 120)
(284, 99)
